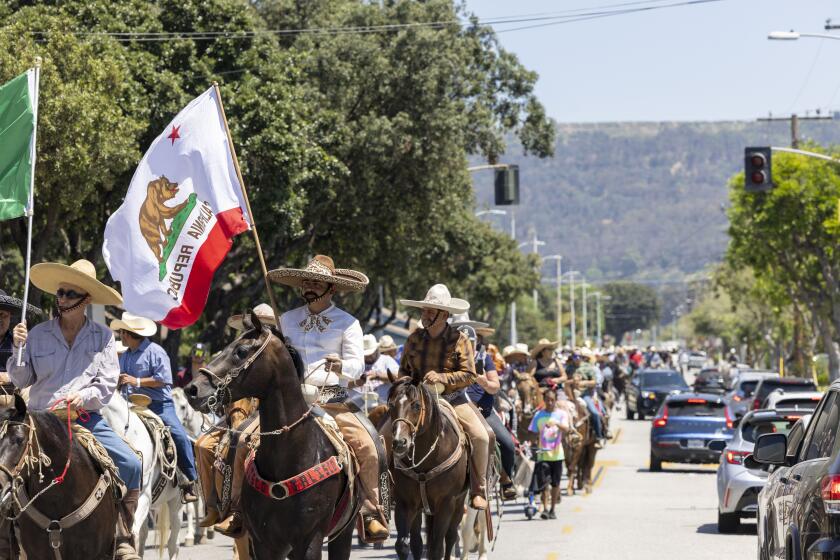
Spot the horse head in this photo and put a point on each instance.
(14, 443)
(529, 392)
(409, 405)
(250, 365)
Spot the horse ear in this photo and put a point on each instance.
(391, 376)
(255, 320)
(247, 322)
(20, 405)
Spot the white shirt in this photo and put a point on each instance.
(333, 331)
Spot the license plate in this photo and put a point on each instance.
(696, 444)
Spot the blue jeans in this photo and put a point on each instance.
(128, 463)
(595, 414)
(183, 445)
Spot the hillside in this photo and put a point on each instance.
(637, 200)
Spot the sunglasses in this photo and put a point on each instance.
(69, 294)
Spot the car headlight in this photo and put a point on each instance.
(648, 395)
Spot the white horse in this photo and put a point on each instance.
(473, 533)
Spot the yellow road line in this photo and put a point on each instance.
(552, 556)
(616, 436)
(578, 509)
(610, 463)
(567, 529)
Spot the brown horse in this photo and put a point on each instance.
(297, 493)
(429, 467)
(35, 449)
(529, 401)
(580, 443)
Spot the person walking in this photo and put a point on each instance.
(551, 423)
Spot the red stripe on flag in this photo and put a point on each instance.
(208, 258)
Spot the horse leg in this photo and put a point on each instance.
(438, 530)
(241, 548)
(467, 532)
(482, 536)
(451, 536)
(339, 548)
(312, 551)
(174, 526)
(416, 537)
(142, 535)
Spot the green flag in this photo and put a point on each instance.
(17, 124)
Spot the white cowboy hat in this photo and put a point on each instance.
(438, 297)
(321, 268)
(369, 344)
(463, 319)
(542, 345)
(47, 276)
(134, 323)
(263, 311)
(386, 343)
(520, 348)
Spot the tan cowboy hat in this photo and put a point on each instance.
(263, 311)
(484, 331)
(542, 345)
(520, 348)
(386, 343)
(323, 269)
(47, 276)
(139, 400)
(438, 297)
(369, 345)
(134, 323)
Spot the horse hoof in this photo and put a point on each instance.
(189, 542)
(210, 534)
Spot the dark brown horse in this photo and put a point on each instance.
(429, 466)
(529, 401)
(34, 450)
(579, 445)
(282, 520)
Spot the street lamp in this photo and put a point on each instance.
(571, 274)
(559, 260)
(535, 244)
(494, 212)
(794, 35)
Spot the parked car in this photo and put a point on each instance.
(770, 384)
(743, 387)
(710, 380)
(799, 514)
(697, 359)
(648, 388)
(685, 425)
(780, 398)
(737, 485)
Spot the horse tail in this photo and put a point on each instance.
(163, 527)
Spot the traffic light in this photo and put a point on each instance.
(757, 176)
(507, 185)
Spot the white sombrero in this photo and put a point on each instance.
(263, 311)
(47, 276)
(323, 269)
(520, 349)
(369, 345)
(386, 343)
(134, 323)
(438, 297)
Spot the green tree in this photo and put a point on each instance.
(630, 306)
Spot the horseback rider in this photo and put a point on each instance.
(329, 341)
(588, 383)
(545, 367)
(145, 369)
(439, 353)
(483, 394)
(73, 360)
(209, 454)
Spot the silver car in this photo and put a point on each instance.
(738, 486)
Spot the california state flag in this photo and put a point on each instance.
(181, 212)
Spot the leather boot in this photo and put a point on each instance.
(231, 526)
(188, 495)
(125, 537)
(375, 531)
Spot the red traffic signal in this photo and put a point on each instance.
(757, 176)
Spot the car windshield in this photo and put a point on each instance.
(789, 387)
(663, 379)
(696, 407)
(748, 387)
(758, 427)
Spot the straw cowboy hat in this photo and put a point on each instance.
(542, 345)
(263, 311)
(323, 269)
(485, 331)
(13, 305)
(519, 349)
(481, 328)
(369, 345)
(438, 297)
(386, 343)
(47, 276)
(134, 323)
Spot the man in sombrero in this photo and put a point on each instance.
(439, 353)
(145, 369)
(72, 360)
(329, 341)
(10, 308)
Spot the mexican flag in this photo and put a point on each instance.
(183, 208)
(17, 144)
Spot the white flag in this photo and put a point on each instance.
(182, 209)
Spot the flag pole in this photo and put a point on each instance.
(248, 206)
(30, 207)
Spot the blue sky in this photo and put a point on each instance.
(703, 62)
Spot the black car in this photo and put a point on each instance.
(770, 384)
(801, 519)
(710, 381)
(648, 389)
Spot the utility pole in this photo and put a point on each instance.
(535, 245)
(572, 306)
(794, 124)
(585, 305)
(598, 338)
(559, 260)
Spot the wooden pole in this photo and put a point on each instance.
(248, 206)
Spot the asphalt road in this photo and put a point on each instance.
(631, 514)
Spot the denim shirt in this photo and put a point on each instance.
(148, 361)
(53, 370)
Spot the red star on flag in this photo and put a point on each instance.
(174, 134)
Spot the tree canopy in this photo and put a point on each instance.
(629, 306)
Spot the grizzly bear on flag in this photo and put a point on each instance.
(154, 213)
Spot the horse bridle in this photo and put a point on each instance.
(221, 384)
(30, 457)
(414, 430)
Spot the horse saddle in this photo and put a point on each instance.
(101, 460)
(165, 451)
